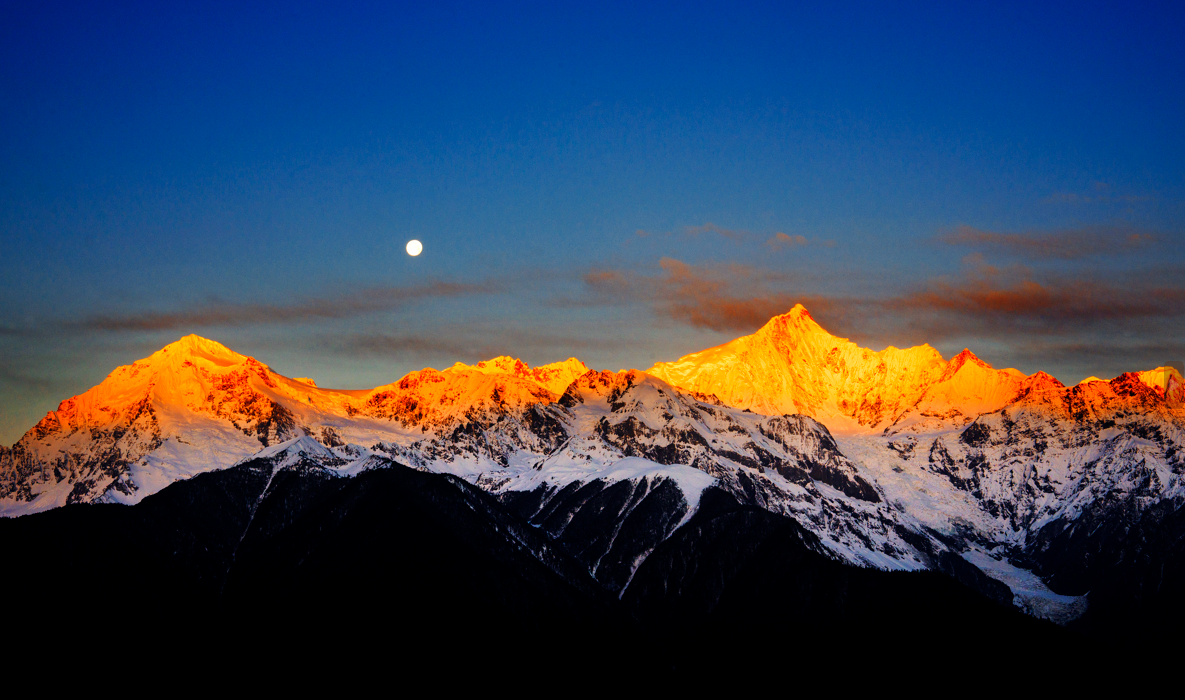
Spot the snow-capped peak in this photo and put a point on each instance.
(555, 377)
(797, 319)
(196, 347)
(793, 365)
(1160, 378)
(966, 356)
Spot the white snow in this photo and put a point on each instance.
(293, 449)
(1031, 593)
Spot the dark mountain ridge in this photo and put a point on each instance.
(281, 548)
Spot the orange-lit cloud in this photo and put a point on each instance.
(985, 300)
(1071, 300)
(727, 297)
(1066, 244)
(705, 298)
(1015, 297)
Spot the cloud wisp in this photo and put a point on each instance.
(709, 227)
(221, 313)
(24, 380)
(1066, 244)
(780, 240)
(1075, 198)
(386, 345)
(694, 232)
(471, 343)
(784, 240)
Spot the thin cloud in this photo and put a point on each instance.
(1068, 244)
(1154, 353)
(23, 380)
(1029, 300)
(1075, 198)
(779, 239)
(220, 313)
(736, 235)
(472, 344)
(382, 345)
(784, 240)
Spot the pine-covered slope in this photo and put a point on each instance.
(281, 554)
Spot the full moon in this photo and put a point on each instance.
(414, 248)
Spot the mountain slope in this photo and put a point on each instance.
(196, 406)
(1044, 487)
(279, 553)
(283, 541)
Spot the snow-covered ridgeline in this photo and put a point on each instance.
(931, 454)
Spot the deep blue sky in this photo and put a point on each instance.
(591, 181)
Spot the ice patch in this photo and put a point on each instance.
(1030, 593)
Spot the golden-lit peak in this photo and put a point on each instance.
(967, 357)
(796, 314)
(512, 365)
(502, 363)
(797, 321)
(555, 376)
(194, 349)
(192, 343)
(1160, 377)
(1043, 380)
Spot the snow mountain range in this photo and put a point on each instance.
(1054, 499)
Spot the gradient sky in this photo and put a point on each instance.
(620, 184)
